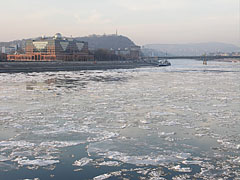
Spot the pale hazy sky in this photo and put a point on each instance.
(144, 21)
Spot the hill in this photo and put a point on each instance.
(94, 42)
(107, 42)
(194, 49)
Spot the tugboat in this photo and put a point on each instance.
(164, 62)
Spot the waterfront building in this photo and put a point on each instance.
(133, 52)
(52, 49)
(9, 49)
(3, 57)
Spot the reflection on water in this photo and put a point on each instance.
(178, 122)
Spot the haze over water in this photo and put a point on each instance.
(180, 122)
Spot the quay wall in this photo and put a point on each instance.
(51, 66)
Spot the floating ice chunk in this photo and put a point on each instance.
(156, 114)
(104, 135)
(157, 178)
(192, 162)
(145, 121)
(142, 171)
(60, 144)
(237, 160)
(156, 174)
(82, 162)
(140, 160)
(178, 168)
(37, 162)
(46, 157)
(76, 170)
(17, 144)
(21, 153)
(16, 125)
(107, 175)
(183, 155)
(110, 163)
(165, 134)
(238, 146)
(169, 123)
(3, 158)
(89, 122)
(200, 135)
(227, 144)
(169, 139)
(144, 127)
(123, 126)
(102, 177)
(184, 177)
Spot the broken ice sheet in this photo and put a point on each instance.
(37, 162)
(21, 153)
(165, 134)
(82, 162)
(3, 158)
(178, 168)
(236, 160)
(156, 173)
(228, 144)
(24, 144)
(144, 127)
(107, 175)
(187, 101)
(61, 144)
(192, 162)
(104, 136)
(110, 163)
(141, 160)
(102, 177)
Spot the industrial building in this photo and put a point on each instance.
(52, 49)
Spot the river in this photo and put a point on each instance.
(177, 122)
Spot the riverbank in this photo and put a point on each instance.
(53, 66)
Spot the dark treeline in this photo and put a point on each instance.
(106, 55)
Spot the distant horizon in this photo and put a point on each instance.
(187, 43)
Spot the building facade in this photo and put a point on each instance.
(9, 50)
(52, 49)
(133, 52)
(3, 57)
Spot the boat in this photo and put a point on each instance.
(164, 62)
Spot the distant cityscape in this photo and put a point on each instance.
(104, 47)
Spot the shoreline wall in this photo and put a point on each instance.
(53, 66)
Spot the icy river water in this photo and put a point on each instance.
(178, 122)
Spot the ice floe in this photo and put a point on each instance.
(17, 144)
(37, 162)
(3, 158)
(60, 144)
(110, 163)
(82, 162)
(178, 168)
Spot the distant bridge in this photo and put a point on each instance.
(193, 57)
